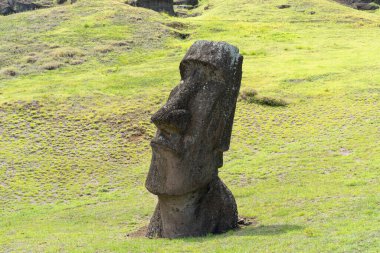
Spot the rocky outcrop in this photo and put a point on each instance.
(156, 5)
(12, 6)
(8, 7)
(193, 130)
(185, 4)
(5, 9)
(64, 1)
(364, 5)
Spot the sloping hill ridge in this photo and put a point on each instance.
(78, 84)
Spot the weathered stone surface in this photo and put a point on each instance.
(186, 2)
(13, 6)
(65, 1)
(194, 129)
(6, 10)
(365, 6)
(8, 7)
(156, 5)
(361, 4)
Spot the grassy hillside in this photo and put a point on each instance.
(78, 84)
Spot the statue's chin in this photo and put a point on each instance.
(171, 174)
(176, 186)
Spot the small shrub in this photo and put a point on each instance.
(67, 52)
(274, 102)
(76, 62)
(52, 65)
(122, 43)
(31, 59)
(248, 94)
(180, 35)
(251, 96)
(103, 189)
(54, 46)
(104, 49)
(9, 72)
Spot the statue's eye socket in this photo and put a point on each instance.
(174, 91)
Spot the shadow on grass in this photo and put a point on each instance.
(268, 230)
(249, 230)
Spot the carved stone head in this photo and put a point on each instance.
(194, 126)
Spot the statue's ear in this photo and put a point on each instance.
(227, 131)
(225, 139)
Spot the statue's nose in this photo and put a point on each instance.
(172, 120)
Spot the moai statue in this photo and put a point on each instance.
(194, 129)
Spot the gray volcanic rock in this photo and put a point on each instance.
(365, 6)
(8, 7)
(12, 6)
(361, 4)
(194, 129)
(6, 10)
(156, 5)
(186, 2)
(64, 1)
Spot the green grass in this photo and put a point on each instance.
(74, 141)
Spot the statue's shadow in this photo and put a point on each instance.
(249, 230)
(265, 230)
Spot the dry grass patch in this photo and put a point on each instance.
(248, 93)
(104, 49)
(31, 59)
(67, 52)
(10, 71)
(51, 65)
